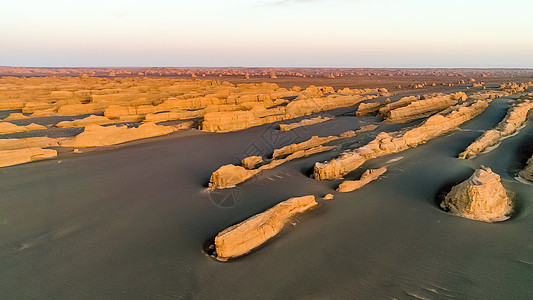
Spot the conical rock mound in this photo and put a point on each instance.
(481, 197)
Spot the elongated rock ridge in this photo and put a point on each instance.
(481, 197)
(368, 176)
(421, 108)
(20, 156)
(387, 143)
(516, 117)
(305, 122)
(244, 237)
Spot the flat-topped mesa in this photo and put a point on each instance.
(421, 108)
(20, 156)
(6, 127)
(246, 236)
(527, 173)
(515, 118)
(305, 122)
(481, 197)
(366, 109)
(388, 143)
(368, 176)
(95, 135)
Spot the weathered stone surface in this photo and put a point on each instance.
(527, 173)
(6, 127)
(516, 117)
(33, 142)
(386, 143)
(20, 156)
(251, 162)
(305, 122)
(90, 120)
(481, 197)
(244, 237)
(421, 108)
(95, 135)
(368, 176)
(310, 143)
(366, 109)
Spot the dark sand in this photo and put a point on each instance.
(131, 222)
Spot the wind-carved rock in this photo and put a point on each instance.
(246, 236)
(515, 118)
(481, 197)
(368, 176)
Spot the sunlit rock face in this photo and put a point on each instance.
(242, 238)
(481, 197)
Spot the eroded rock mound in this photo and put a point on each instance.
(481, 197)
(244, 237)
(527, 173)
(421, 108)
(368, 176)
(6, 127)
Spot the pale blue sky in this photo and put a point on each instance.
(313, 33)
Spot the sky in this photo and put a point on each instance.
(267, 33)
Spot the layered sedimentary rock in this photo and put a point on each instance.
(306, 122)
(421, 108)
(230, 175)
(251, 162)
(527, 173)
(310, 143)
(90, 120)
(366, 109)
(32, 142)
(20, 156)
(481, 197)
(95, 135)
(387, 143)
(244, 237)
(368, 176)
(516, 117)
(6, 127)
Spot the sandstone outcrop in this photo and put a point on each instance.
(6, 127)
(516, 117)
(96, 135)
(20, 156)
(305, 122)
(366, 109)
(421, 108)
(251, 162)
(32, 142)
(481, 197)
(246, 236)
(90, 120)
(310, 143)
(368, 176)
(387, 143)
(328, 197)
(527, 173)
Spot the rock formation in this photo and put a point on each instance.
(305, 122)
(366, 109)
(251, 162)
(32, 142)
(244, 237)
(90, 120)
(310, 143)
(6, 127)
(516, 117)
(527, 173)
(386, 143)
(95, 135)
(20, 156)
(368, 176)
(421, 108)
(481, 197)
